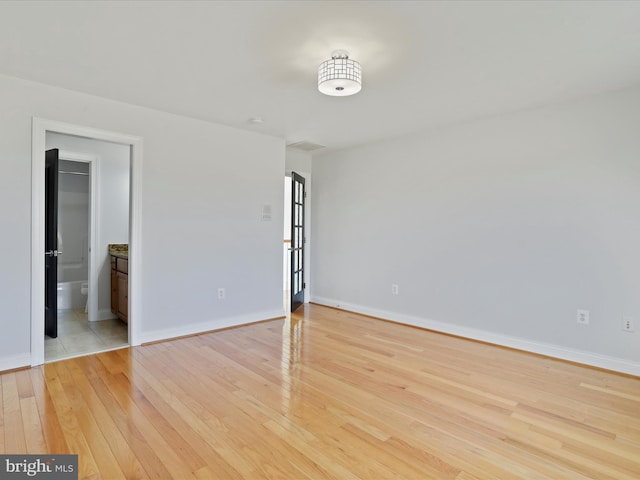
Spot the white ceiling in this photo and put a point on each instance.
(425, 64)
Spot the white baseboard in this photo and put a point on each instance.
(216, 324)
(14, 361)
(556, 351)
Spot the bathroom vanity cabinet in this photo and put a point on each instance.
(120, 287)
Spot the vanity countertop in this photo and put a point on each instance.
(120, 250)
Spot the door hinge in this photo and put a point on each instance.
(305, 194)
(304, 285)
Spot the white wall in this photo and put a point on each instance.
(298, 161)
(497, 229)
(73, 222)
(113, 202)
(203, 189)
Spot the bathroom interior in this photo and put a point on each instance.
(76, 334)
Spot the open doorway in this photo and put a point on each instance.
(91, 210)
(43, 132)
(294, 253)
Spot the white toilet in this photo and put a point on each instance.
(84, 290)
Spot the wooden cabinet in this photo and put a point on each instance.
(114, 287)
(120, 287)
(123, 296)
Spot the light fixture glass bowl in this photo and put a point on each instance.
(340, 76)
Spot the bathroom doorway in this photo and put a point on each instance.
(90, 319)
(92, 210)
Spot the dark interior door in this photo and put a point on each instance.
(297, 240)
(51, 244)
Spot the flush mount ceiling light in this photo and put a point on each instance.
(339, 76)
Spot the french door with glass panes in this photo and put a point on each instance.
(297, 240)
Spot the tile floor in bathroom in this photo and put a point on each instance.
(77, 336)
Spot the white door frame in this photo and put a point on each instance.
(94, 169)
(40, 127)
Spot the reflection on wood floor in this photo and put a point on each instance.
(78, 336)
(325, 394)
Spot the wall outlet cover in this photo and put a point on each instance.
(582, 317)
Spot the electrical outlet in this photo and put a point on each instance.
(394, 289)
(627, 324)
(222, 294)
(583, 317)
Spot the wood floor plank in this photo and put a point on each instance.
(23, 383)
(55, 376)
(126, 424)
(140, 413)
(186, 422)
(34, 437)
(114, 441)
(326, 394)
(54, 437)
(191, 400)
(2, 427)
(14, 436)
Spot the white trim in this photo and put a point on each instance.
(38, 146)
(556, 351)
(135, 243)
(94, 169)
(15, 361)
(210, 325)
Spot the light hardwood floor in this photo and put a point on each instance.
(325, 394)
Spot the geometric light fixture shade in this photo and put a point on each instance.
(340, 76)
